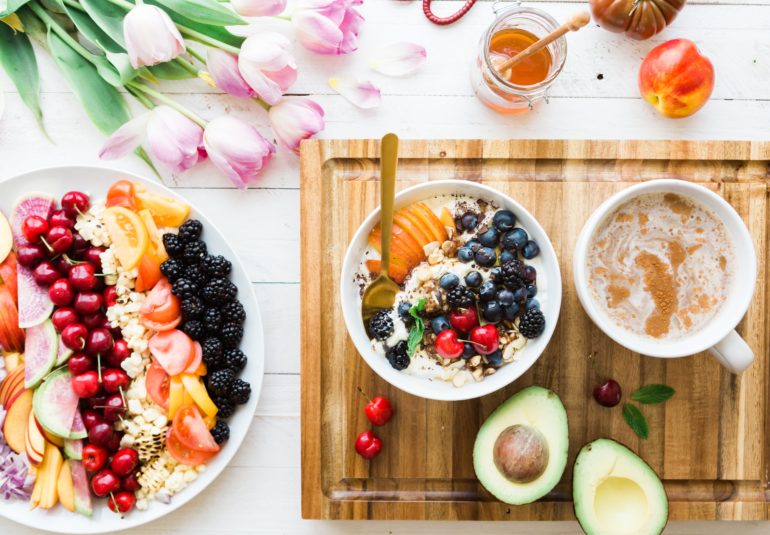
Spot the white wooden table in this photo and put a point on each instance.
(595, 97)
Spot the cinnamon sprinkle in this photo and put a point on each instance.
(661, 284)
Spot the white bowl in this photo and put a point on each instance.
(548, 283)
(95, 180)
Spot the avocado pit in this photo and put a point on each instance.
(521, 453)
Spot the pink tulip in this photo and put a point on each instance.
(295, 119)
(328, 26)
(151, 36)
(223, 68)
(237, 149)
(258, 8)
(267, 65)
(170, 137)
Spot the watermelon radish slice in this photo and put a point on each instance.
(55, 404)
(73, 449)
(63, 354)
(40, 352)
(40, 204)
(82, 492)
(78, 427)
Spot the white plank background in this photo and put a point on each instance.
(259, 492)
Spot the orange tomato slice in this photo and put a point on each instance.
(173, 350)
(149, 273)
(157, 384)
(197, 359)
(156, 240)
(184, 455)
(128, 235)
(191, 430)
(166, 211)
(121, 193)
(161, 306)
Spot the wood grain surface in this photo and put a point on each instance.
(708, 443)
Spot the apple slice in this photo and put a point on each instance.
(16, 419)
(9, 385)
(35, 441)
(65, 488)
(13, 361)
(6, 237)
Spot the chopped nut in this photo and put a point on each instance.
(422, 273)
(489, 371)
(509, 353)
(473, 362)
(459, 380)
(436, 257)
(477, 373)
(430, 247)
(518, 342)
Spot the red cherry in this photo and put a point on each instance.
(64, 265)
(464, 319)
(74, 336)
(124, 461)
(91, 417)
(447, 344)
(94, 457)
(93, 256)
(99, 342)
(79, 244)
(101, 434)
(45, 274)
(59, 239)
(30, 255)
(122, 502)
(485, 339)
(608, 393)
(130, 483)
(97, 402)
(120, 352)
(82, 277)
(113, 444)
(104, 482)
(61, 293)
(113, 408)
(60, 219)
(86, 384)
(33, 227)
(88, 303)
(92, 321)
(114, 379)
(63, 317)
(110, 296)
(75, 203)
(379, 410)
(80, 363)
(368, 445)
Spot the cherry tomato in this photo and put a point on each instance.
(173, 349)
(192, 431)
(121, 193)
(157, 383)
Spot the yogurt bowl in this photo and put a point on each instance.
(428, 375)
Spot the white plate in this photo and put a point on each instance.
(95, 181)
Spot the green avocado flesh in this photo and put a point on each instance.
(616, 492)
(521, 449)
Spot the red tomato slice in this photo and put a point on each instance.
(121, 193)
(155, 326)
(149, 273)
(196, 360)
(157, 384)
(192, 431)
(161, 306)
(183, 454)
(173, 349)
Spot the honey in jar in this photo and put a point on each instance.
(531, 70)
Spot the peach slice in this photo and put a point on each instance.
(15, 426)
(397, 247)
(410, 223)
(430, 219)
(398, 271)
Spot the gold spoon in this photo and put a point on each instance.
(381, 293)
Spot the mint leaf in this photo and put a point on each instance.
(654, 393)
(418, 328)
(636, 420)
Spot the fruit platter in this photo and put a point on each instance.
(132, 353)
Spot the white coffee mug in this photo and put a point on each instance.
(718, 335)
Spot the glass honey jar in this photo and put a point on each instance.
(526, 83)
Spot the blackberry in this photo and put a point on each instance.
(381, 325)
(190, 230)
(460, 297)
(195, 274)
(194, 329)
(194, 252)
(512, 274)
(225, 406)
(192, 308)
(216, 266)
(235, 360)
(213, 353)
(233, 312)
(398, 357)
(220, 432)
(184, 288)
(212, 320)
(173, 244)
(219, 291)
(231, 335)
(220, 381)
(532, 323)
(173, 269)
(240, 391)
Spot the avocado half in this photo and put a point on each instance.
(521, 449)
(616, 493)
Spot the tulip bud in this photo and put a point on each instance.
(223, 68)
(295, 119)
(237, 149)
(258, 8)
(151, 36)
(267, 65)
(328, 26)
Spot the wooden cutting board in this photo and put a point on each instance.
(709, 443)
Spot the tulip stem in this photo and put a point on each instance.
(146, 102)
(186, 65)
(169, 102)
(197, 55)
(206, 40)
(51, 24)
(262, 103)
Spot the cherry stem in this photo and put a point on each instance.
(122, 396)
(50, 249)
(115, 503)
(364, 394)
(482, 346)
(99, 366)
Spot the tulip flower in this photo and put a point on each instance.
(267, 65)
(328, 26)
(237, 149)
(169, 136)
(223, 68)
(151, 36)
(258, 8)
(295, 119)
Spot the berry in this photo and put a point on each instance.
(233, 312)
(192, 308)
(530, 274)
(473, 245)
(504, 220)
(449, 281)
(532, 323)
(83, 277)
(218, 291)
(219, 382)
(464, 319)
(465, 254)
(173, 244)
(59, 240)
(492, 311)
(532, 303)
(130, 483)
(194, 329)
(608, 393)
(45, 274)
(403, 313)
(511, 311)
(381, 325)
(184, 288)
(486, 339)
(531, 290)
(91, 418)
(216, 266)
(469, 351)
(469, 221)
(448, 346)
(173, 268)
(114, 408)
(240, 391)
(79, 245)
(505, 297)
(486, 257)
(114, 380)
(225, 406)
(60, 219)
(30, 255)
(520, 294)
(460, 297)
(514, 239)
(488, 291)
(379, 410)
(196, 274)
(74, 336)
(99, 342)
(87, 303)
(92, 321)
(231, 335)
(61, 293)
(93, 255)
(489, 238)
(235, 360)
(120, 352)
(530, 250)
(512, 274)
(194, 252)
(440, 324)
(104, 482)
(507, 256)
(94, 457)
(495, 359)
(190, 230)
(212, 320)
(124, 461)
(397, 356)
(86, 385)
(121, 502)
(473, 279)
(368, 445)
(75, 203)
(212, 353)
(34, 227)
(220, 432)
(80, 363)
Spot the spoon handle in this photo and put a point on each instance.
(388, 163)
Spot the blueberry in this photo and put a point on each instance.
(531, 290)
(469, 221)
(465, 254)
(490, 238)
(486, 257)
(473, 279)
(492, 311)
(504, 220)
(532, 303)
(530, 274)
(511, 311)
(505, 297)
(495, 359)
(473, 245)
(520, 294)
(403, 312)
(506, 256)
(487, 291)
(440, 324)
(494, 274)
(469, 351)
(515, 239)
(449, 281)
(530, 250)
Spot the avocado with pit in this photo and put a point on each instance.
(616, 493)
(521, 449)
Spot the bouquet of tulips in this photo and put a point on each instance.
(108, 48)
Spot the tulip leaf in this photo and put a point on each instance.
(10, 6)
(204, 11)
(219, 33)
(108, 17)
(170, 70)
(33, 26)
(18, 60)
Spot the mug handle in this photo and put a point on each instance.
(733, 353)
